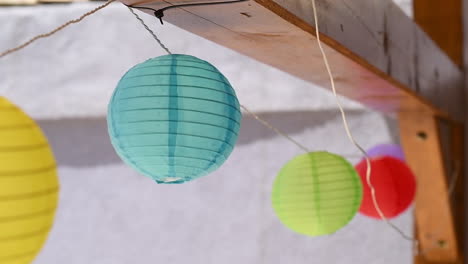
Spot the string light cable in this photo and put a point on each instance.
(159, 13)
(149, 30)
(57, 29)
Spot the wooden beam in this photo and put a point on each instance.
(379, 56)
(433, 213)
(442, 21)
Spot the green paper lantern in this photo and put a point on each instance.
(316, 193)
(174, 118)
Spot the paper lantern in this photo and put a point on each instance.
(391, 150)
(316, 193)
(28, 186)
(394, 183)
(174, 118)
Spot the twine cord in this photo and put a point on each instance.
(455, 172)
(276, 130)
(350, 135)
(48, 34)
(149, 30)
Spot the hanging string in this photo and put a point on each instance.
(149, 30)
(45, 35)
(351, 138)
(268, 125)
(286, 136)
(455, 173)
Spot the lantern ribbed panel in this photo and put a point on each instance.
(394, 184)
(28, 186)
(316, 193)
(174, 118)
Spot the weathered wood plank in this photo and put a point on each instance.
(452, 146)
(442, 21)
(378, 55)
(433, 213)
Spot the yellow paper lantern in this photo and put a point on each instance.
(28, 186)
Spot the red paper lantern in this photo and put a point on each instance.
(394, 184)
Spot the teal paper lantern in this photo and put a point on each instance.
(316, 193)
(174, 118)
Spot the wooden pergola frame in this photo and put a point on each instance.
(411, 69)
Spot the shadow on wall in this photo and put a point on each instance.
(85, 143)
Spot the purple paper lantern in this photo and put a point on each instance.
(392, 150)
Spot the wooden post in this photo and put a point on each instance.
(442, 21)
(433, 213)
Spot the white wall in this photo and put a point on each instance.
(108, 214)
